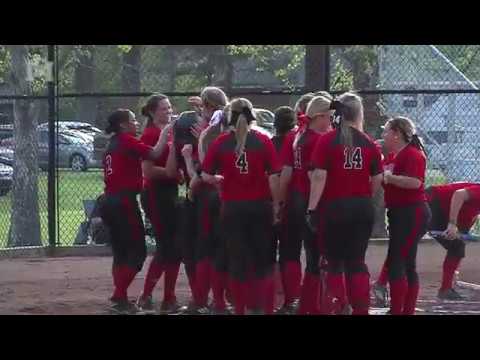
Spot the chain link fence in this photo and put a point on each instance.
(434, 85)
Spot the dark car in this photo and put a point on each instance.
(6, 176)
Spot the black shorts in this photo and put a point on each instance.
(248, 231)
(348, 225)
(160, 205)
(121, 214)
(439, 222)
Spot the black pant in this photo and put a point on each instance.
(296, 230)
(160, 205)
(406, 226)
(347, 229)
(207, 213)
(121, 214)
(439, 222)
(248, 234)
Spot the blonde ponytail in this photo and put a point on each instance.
(241, 132)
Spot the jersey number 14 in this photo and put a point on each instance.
(353, 158)
(242, 163)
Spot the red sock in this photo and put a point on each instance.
(219, 283)
(171, 275)
(202, 282)
(383, 277)
(125, 277)
(264, 291)
(450, 265)
(398, 293)
(336, 292)
(291, 280)
(358, 285)
(411, 299)
(239, 293)
(154, 274)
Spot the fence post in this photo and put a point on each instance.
(317, 61)
(52, 210)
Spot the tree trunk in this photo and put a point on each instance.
(171, 67)
(25, 218)
(85, 83)
(131, 66)
(316, 76)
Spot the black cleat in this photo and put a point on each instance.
(124, 307)
(380, 293)
(146, 304)
(449, 294)
(170, 308)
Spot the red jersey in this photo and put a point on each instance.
(470, 209)
(122, 169)
(349, 169)
(245, 176)
(297, 154)
(410, 162)
(150, 137)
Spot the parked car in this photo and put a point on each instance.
(265, 119)
(73, 125)
(6, 131)
(6, 176)
(73, 152)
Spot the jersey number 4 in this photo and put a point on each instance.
(353, 158)
(242, 163)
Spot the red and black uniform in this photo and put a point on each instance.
(120, 211)
(347, 212)
(159, 199)
(408, 217)
(439, 198)
(246, 213)
(296, 154)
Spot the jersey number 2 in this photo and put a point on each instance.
(108, 165)
(353, 158)
(242, 163)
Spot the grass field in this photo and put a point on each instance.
(74, 187)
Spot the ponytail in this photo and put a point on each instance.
(417, 142)
(241, 132)
(241, 120)
(338, 122)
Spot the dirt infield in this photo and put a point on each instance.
(82, 285)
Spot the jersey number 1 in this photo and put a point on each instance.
(353, 158)
(242, 163)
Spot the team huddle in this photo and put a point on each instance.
(252, 202)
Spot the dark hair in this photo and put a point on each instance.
(151, 106)
(285, 119)
(115, 119)
(406, 128)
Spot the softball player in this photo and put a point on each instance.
(245, 163)
(120, 211)
(347, 171)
